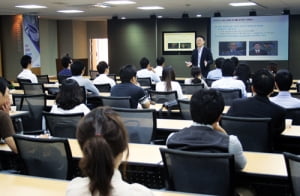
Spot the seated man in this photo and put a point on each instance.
(147, 71)
(103, 70)
(26, 72)
(283, 82)
(66, 62)
(259, 106)
(160, 63)
(216, 74)
(6, 128)
(129, 87)
(206, 135)
(228, 81)
(77, 69)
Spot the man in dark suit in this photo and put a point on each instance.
(201, 57)
(257, 50)
(259, 105)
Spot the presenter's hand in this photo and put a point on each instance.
(205, 63)
(188, 63)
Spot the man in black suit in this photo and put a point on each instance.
(257, 50)
(259, 105)
(201, 57)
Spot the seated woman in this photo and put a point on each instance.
(102, 133)
(69, 99)
(168, 82)
(196, 74)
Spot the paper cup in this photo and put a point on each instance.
(13, 108)
(288, 123)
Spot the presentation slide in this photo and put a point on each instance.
(254, 38)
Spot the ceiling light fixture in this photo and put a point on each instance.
(151, 8)
(31, 6)
(123, 18)
(70, 11)
(159, 16)
(125, 2)
(243, 4)
(102, 5)
(199, 15)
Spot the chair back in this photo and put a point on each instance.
(23, 81)
(230, 94)
(205, 173)
(162, 96)
(45, 157)
(34, 104)
(33, 88)
(62, 125)
(296, 95)
(93, 74)
(43, 79)
(191, 88)
(185, 111)
(298, 87)
(103, 87)
(293, 168)
(294, 114)
(253, 133)
(140, 124)
(144, 81)
(61, 78)
(209, 81)
(118, 102)
(113, 76)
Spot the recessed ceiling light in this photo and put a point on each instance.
(159, 16)
(242, 4)
(31, 6)
(70, 11)
(199, 15)
(123, 18)
(102, 5)
(150, 8)
(125, 2)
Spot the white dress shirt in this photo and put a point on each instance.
(285, 100)
(27, 74)
(229, 82)
(158, 70)
(215, 74)
(104, 79)
(145, 73)
(161, 86)
(82, 108)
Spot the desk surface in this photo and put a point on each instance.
(18, 113)
(35, 186)
(294, 130)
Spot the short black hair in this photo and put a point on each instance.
(263, 82)
(25, 61)
(160, 60)
(284, 79)
(3, 85)
(101, 67)
(219, 62)
(235, 61)
(144, 62)
(228, 68)
(201, 36)
(76, 68)
(65, 61)
(127, 72)
(206, 106)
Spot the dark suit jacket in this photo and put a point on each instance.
(205, 56)
(261, 52)
(258, 107)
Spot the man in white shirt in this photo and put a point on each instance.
(283, 82)
(26, 72)
(228, 81)
(103, 70)
(160, 62)
(147, 71)
(216, 74)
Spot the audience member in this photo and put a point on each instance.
(26, 72)
(6, 128)
(216, 74)
(160, 63)
(235, 61)
(103, 70)
(196, 77)
(103, 140)
(129, 87)
(243, 73)
(69, 99)
(228, 81)
(147, 71)
(272, 67)
(205, 134)
(259, 105)
(66, 62)
(168, 82)
(77, 69)
(283, 82)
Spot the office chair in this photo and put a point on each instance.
(118, 102)
(23, 81)
(43, 79)
(294, 114)
(33, 88)
(191, 88)
(103, 87)
(185, 111)
(293, 168)
(229, 95)
(162, 96)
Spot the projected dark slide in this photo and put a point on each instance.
(253, 38)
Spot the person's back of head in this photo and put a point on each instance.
(168, 75)
(243, 72)
(195, 73)
(127, 72)
(160, 61)
(284, 79)
(25, 61)
(263, 82)
(206, 106)
(69, 95)
(102, 66)
(101, 133)
(77, 68)
(228, 68)
(272, 67)
(66, 61)
(219, 62)
(144, 62)
(235, 61)
(3, 85)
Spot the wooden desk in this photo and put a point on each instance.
(293, 131)
(35, 186)
(18, 113)
(173, 124)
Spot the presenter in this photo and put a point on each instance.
(201, 57)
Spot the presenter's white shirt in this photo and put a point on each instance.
(27, 74)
